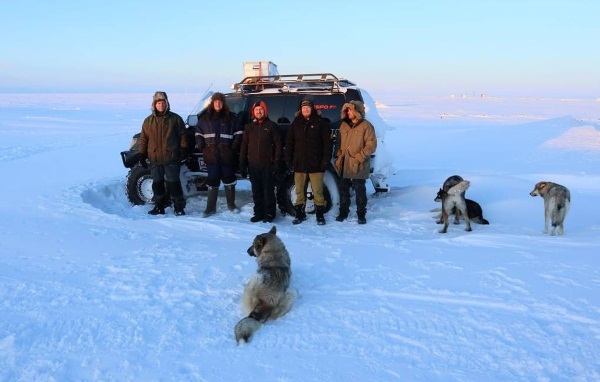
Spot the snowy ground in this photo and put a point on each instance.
(92, 288)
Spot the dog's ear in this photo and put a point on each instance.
(260, 243)
(273, 230)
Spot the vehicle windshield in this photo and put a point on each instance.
(236, 105)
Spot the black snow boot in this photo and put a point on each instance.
(269, 218)
(158, 209)
(343, 215)
(361, 217)
(160, 200)
(176, 192)
(320, 217)
(256, 218)
(300, 214)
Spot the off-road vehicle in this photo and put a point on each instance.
(282, 94)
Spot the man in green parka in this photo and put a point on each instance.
(353, 158)
(163, 143)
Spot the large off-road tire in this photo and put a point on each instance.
(286, 195)
(139, 186)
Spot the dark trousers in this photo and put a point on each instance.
(361, 194)
(263, 190)
(218, 173)
(167, 173)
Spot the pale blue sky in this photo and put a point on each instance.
(418, 47)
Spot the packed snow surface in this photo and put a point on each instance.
(92, 288)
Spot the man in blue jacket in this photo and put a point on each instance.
(218, 136)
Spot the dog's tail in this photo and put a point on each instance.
(249, 325)
(246, 328)
(480, 220)
(558, 215)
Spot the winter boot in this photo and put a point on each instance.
(300, 214)
(230, 195)
(343, 215)
(320, 217)
(256, 218)
(361, 217)
(159, 201)
(176, 192)
(269, 218)
(158, 209)
(361, 201)
(211, 202)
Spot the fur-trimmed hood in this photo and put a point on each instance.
(259, 104)
(357, 106)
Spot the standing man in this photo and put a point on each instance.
(163, 142)
(308, 151)
(259, 154)
(218, 137)
(353, 159)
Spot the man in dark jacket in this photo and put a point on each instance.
(259, 154)
(218, 137)
(308, 151)
(163, 142)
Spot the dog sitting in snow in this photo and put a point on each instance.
(268, 295)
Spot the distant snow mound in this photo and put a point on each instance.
(576, 138)
(380, 105)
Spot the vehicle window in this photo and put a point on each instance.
(291, 107)
(353, 95)
(237, 105)
(330, 107)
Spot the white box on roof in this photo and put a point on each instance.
(260, 68)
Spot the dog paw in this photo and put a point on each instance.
(468, 229)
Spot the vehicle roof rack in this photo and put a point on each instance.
(292, 82)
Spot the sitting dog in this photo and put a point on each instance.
(267, 295)
(557, 200)
(454, 202)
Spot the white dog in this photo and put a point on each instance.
(557, 200)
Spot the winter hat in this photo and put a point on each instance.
(259, 104)
(307, 102)
(160, 96)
